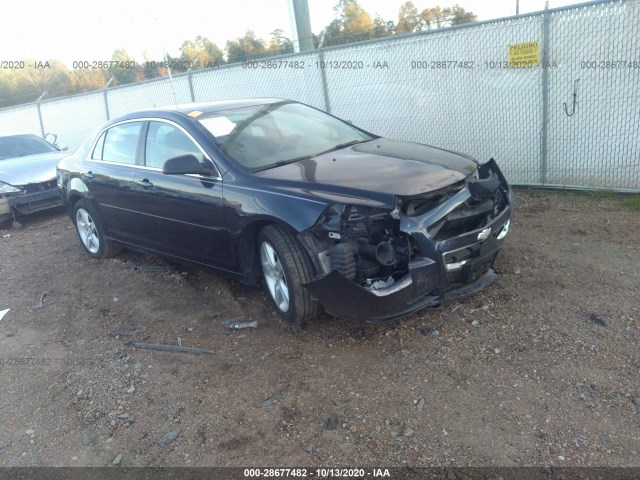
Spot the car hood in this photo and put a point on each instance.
(30, 169)
(382, 165)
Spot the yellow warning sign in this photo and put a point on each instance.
(524, 55)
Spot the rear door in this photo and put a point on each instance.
(109, 176)
(179, 215)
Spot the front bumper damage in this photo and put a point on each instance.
(453, 260)
(29, 202)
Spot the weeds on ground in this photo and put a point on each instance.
(633, 203)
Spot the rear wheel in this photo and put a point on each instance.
(91, 231)
(285, 267)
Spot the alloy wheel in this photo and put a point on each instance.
(274, 276)
(87, 230)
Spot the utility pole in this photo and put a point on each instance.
(301, 25)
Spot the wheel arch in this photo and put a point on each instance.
(74, 197)
(248, 248)
(77, 190)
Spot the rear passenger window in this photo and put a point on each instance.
(121, 142)
(164, 141)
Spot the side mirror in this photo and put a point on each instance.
(185, 164)
(52, 138)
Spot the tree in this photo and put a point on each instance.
(38, 77)
(434, 17)
(152, 68)
(409, 19)
(245, 47)
(438, 17)
(7, 88)
(125, 71)
(352, 25)
(279, 44)
(84, 80)
(458, 15)
(382, 28)
(200, 53)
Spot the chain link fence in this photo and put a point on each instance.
(570, 118)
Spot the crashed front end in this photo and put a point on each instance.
(379, 265)
(27, 199)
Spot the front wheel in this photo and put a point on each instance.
(91, 231)
(285, 267)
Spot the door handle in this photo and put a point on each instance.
(89, 175)
(145, 183)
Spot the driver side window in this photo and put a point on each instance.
(164, 141)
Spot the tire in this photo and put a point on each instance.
(91, 232)
(285, 267)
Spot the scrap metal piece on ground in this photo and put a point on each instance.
(242, 325)
(41, 301)
(170, 348)
(229, 321)
(269, 401)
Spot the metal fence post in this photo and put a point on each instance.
(106, 105)
(40, 118)
(323, 76)
(193, 97)
(545, 95)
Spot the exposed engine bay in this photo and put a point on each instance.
(367, 245)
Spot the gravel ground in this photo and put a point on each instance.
(541, 368)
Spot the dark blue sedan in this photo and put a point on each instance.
(328, 215)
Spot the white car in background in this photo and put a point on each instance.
(27, 175)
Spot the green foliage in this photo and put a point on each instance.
(610, 198)
(602, 194)
(279, 44)
(201, 53)
(88, 80)
(246, 47)
(458, 15)
(121, 74)
(633, 203)
(353, 24)
(382, 28)
(410, 20)
(27, 84)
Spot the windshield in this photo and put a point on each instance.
(22, 145)
(265, 136)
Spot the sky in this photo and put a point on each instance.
(73, 30)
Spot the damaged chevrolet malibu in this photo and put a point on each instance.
(328, 215)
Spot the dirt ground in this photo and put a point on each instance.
(541, 368)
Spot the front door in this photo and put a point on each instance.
(179, 215)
